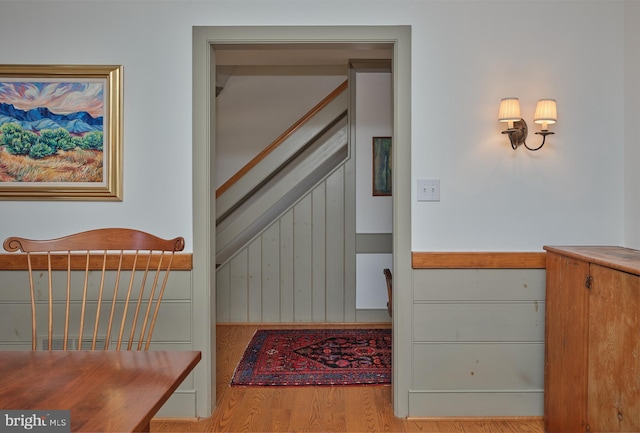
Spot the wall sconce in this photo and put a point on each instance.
(546, 114)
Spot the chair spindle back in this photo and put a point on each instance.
(146, 257)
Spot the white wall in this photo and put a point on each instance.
(374, 214)
(371, 286)
(374, 118)
(463, 61)
(569, 192)
(153, 42)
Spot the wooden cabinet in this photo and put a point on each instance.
(592, 353)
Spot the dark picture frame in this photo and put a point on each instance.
(382, 163)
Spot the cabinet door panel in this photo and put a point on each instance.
(566, 340)
(614, 351)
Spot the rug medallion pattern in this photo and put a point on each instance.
(316, 357)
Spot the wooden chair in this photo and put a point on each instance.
(389, 278)
(83, 284)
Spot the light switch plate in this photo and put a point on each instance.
(428, 189)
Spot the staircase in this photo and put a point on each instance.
(281, 174)
(285, 231)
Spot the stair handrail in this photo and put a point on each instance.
(282, 138)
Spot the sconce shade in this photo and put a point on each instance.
(509, 110)
(546, 112)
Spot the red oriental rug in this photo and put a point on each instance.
(316, 357)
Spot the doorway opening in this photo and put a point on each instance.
(207, 42)
(310, 237)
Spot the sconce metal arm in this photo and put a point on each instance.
(544, 137)
(518, 135)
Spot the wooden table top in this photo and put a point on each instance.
(105, 391)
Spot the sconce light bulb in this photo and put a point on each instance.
(546, 113)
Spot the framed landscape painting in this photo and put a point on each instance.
(60, 132)
(381, 166)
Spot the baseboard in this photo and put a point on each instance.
(476, 404)
(476, 418)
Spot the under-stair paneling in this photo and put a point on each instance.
(238, 299)
(303, 261)
(477, 339)
(223, 282)
(286, 268)
(294, 270)
(254, 282)
(335, 259)
(318, 252)
(270, 269)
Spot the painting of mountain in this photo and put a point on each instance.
(61, 132)
(51, 131)
(37, 119)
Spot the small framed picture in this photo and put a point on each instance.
(382, 166)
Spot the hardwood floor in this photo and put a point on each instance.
(315, 409)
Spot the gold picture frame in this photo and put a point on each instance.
(61, 132)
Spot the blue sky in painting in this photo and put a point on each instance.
(58, 97)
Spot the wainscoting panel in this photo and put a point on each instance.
(478, 342)
(173, 323)
(479, 285)
(492, 321)
(294, 271)
(478, 366)
(15, 284)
